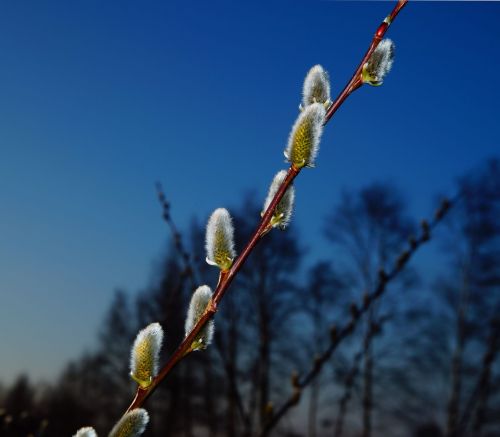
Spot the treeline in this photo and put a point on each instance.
(422, 361)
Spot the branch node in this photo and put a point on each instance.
(317, 362)
(402, 259)
(354, 311)
(382, 275)
(426, 230)
(443, 209)
(294, 400)
(366, 300)
(412, 241)
(333, 333)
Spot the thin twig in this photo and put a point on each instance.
(356, 81)
(479, 393)
(226, 277)
(338, 335)
(189, 270)
(349, 380)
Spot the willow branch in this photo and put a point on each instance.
(226, 277)
(356, 81)
(190, 272)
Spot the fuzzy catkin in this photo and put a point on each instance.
(283, 211)
(316, 87)
(379, 64)
(197, 306)
(220, 239)
(145, 354)
(132, 424)
(303, 142)
(86, 432)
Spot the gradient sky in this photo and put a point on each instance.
(98, 100)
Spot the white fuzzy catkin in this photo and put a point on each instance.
(132, 424)
(283, 211)
(316, 87)
(303, 142)
(145, 354)
(379, 64)
(220, 239)
(199, 302)
(86, 432)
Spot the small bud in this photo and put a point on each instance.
(316, 87)
(412, 241)
(294, 379)
(269, 409)
(132, 424)
(283, 211)
(443, 209)
(86, 432)
(295, 398)
(426, 230)
(402, 259)
(145, 354)
(350, 327)
(333, 333)
(220, 240)
(382, 275)
(366, 300)
(375, 328)
(379, 64)
(303, 143)
(317, 361)
(354, 311)
(197, 307)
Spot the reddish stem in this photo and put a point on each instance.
(356, 81)
(226, 277)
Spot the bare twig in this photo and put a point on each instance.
(189, 270)
(338, 335)
(479, 394)
(349, 380)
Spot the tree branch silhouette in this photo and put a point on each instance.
(338, 335)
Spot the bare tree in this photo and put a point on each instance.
(371, 226)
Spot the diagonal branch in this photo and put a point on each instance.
(356, 81)
(338, 335)
(226, 277)
(190, 272)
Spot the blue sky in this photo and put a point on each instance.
(98, 100)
